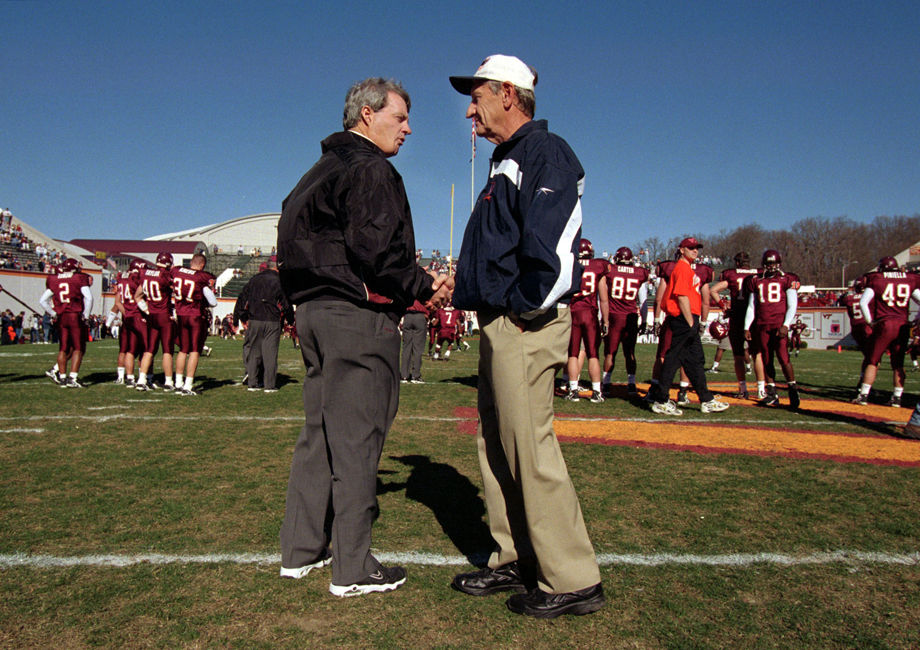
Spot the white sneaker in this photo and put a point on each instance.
(713, 406)
(302, 571)
(666, 408)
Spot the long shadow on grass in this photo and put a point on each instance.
(842, 418)
(470, 380)
(455, 502)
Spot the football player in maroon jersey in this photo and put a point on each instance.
(885, 306)
(733, 280)
(154, 298)
(795, 334)
(461, 331)
(447, 331)
(132, 338)
(586, 329)
(627, 286)
(914, 347)
(432, 329)
(192, 295)
(67, 297)
(772, 302)
(858, 326)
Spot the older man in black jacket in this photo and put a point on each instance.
(346, 253)
(263, 305)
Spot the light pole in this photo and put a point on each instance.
(843, 274)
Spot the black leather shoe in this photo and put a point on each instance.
(540, 604)
(488, 581)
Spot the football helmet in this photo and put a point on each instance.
(69, 265)
(585, 249)
(165, 260)
(771, 262)
(859, 284)
(888, 263)
(137, 265)
(742, 260)
(718, 330)
(624, 255)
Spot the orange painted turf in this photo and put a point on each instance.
(755, 439)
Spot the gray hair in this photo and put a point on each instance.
(371, 92)
(527, 100)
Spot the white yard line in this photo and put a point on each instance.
(426, 418)
(740, 560)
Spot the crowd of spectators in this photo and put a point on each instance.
(19, 252)
(39, 328)
(820, 298)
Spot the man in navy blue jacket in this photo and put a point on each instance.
(518, 267)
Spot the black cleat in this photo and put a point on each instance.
(794, 400)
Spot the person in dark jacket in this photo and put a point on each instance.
(518, 267)
(264, 306)
(346, 255)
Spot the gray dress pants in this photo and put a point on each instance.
(350, 396)
(262, 337)
(415, 327)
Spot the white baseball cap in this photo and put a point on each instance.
(498, 67)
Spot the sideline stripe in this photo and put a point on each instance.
(15, 560)
(747, 440)
(717, 436)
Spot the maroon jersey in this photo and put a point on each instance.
(704, 272)
(66, 290)
(461, 322)
(770, 297)
(664, 269)
(447, 322)
(797, 328)
(126, 284)
(851, 302)
(892, 294)
(623, 284)
(188, 290)
(158, 289)
(735, 279)
(591, 276)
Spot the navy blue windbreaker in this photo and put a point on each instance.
(520, 247)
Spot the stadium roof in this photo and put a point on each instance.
(137, 246)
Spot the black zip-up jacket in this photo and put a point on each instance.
(262, 299)
(346, 233)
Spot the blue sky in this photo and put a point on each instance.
(129, 119)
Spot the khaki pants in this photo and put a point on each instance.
(533, 508)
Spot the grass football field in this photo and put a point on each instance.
(133, 519)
